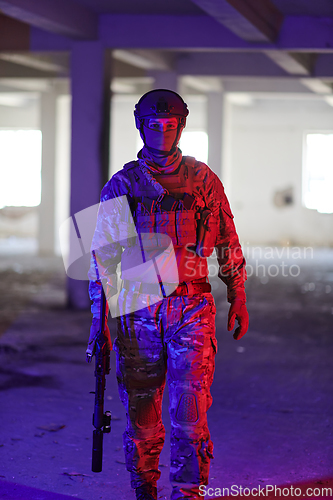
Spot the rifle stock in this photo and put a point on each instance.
(101, 420)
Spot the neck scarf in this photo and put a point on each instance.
(159, 163)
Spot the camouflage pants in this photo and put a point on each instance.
(173, 339)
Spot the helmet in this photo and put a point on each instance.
(160, 103)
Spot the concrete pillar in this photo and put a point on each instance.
(165, 80)
(90, 76)
(215, 130)
(46, 227)
(63, 154)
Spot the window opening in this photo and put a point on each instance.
(20, 168)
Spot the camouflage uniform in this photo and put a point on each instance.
(173, 338)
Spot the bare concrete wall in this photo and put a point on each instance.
(266, 148)
(20, 117)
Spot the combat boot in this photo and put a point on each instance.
(146, 492)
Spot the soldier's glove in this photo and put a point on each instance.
(94, 332)
(238, 311)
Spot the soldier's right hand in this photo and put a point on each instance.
(94, 332)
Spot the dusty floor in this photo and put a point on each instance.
(271, 419)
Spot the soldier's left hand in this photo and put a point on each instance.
(238, 311)
(94, 332)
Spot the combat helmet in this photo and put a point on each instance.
(160, 103)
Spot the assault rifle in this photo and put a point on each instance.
(101, 420)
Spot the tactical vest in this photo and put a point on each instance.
(174, 215)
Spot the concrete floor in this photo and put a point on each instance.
(271, 420)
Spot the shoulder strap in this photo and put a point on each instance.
(133, 174)
(142, 185)
(131, 164)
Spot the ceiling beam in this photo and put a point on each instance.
(251, 20)
(144, 31)
(192, 33)
(305, 33)
(121, 69)
(144, 59)
(33, 61)
(228, 64)
(25, 84)
(10, 70)
(203, 84)
(14, 35)
(292, 62)
(265, 85)
(35, 85)
(329, 100)
(63, 17)
(317, 86)
(324, 66)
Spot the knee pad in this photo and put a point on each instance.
(187, 408)
(146, 413)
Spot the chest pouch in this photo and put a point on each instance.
(157, 229)
(185, 228)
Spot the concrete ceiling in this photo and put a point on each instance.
(178, 7)
(316, 8)
(282, 44)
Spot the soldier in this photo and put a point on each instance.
(166, 321)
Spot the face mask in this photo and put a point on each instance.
(161, 141)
